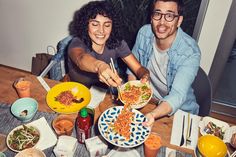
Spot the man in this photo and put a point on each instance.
(171, 56)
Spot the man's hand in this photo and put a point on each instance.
(150, 120)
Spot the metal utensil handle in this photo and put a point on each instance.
(190, 127)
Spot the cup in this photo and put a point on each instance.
(63, 124)
(22, 87)
(152, 145)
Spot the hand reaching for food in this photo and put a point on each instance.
(107, 76)
(150, 120)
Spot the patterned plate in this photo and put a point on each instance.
(139, 133)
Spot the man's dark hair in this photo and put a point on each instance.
(79, 25)
(179, 3)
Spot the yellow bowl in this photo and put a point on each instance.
(211, 146)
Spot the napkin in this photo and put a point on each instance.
(176, 132)
(47, 136)
(97, 95)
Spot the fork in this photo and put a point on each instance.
(188, 139)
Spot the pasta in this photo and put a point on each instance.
(123, 121)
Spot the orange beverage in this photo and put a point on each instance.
(23, 88)
(63, 124)
(152, 145)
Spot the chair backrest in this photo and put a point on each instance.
(203, 92)
(58, 68)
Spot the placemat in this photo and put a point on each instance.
(9, 122)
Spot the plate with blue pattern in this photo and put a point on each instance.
(139, 133)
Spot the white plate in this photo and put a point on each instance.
(47, 136)
(219, 123)
(139, 133)
(20, 127)
(142, 102)
(229, 133)
(125, 152)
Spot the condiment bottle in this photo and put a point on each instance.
(83, 125)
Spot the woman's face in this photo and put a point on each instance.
(99, 30)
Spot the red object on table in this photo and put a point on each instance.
(83, 125)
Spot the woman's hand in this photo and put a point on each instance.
(145, 78)
(107, 76)
(150, 120)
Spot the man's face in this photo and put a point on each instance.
(163, 29)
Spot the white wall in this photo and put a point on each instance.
(212, 28)
(29, 26)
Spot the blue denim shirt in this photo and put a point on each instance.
(184, 60)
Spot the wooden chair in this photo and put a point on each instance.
(203, 92)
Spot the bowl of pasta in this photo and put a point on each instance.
(135, 93)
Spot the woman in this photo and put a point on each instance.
(96, 28)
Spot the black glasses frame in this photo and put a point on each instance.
(165, 16)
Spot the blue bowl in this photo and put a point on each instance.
(24, 109)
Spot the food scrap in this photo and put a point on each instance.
(215, 130)
(24, 113)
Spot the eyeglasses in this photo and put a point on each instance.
(168, 16)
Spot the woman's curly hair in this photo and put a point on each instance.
(79, 26)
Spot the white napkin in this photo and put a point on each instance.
(176, 132)
(47, 136)
(97, 95)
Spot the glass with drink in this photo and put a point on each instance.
(22, 87)
(152, 145)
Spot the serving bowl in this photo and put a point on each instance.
(211, 146)
(24, 109)
(136, 93)
(31, 152)
(23, 137)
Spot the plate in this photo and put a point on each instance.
(17, 128)
(139, 133)
(202, 124)
(143, 98)
(126, 152)
(229, 133)
(78, 90)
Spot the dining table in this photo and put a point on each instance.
(162, 126)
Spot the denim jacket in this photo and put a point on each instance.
(184, 60)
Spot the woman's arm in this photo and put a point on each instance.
(88, 63)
